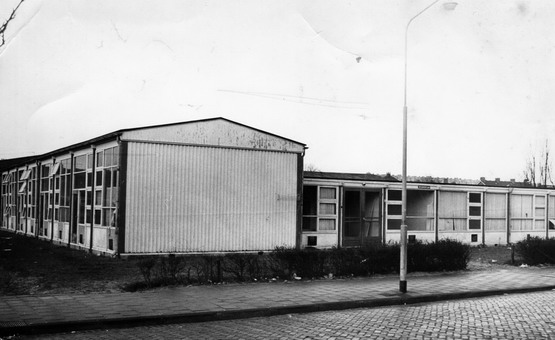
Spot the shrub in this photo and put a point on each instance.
(443, 255)
(536, 250)
(145, 267)
(170, 268)
(242, 266)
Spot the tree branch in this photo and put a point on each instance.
(6, 23)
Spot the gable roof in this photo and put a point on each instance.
(14, 162)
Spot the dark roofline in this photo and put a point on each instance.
(388, 178)
(349, 176)
(15, 162)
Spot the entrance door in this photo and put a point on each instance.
(362, 217)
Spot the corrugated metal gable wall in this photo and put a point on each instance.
(195, 199)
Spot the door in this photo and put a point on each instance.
(361, 217)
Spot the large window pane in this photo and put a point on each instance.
(327, 193)
(309, 224)
(327, 224)
(309, 200)
(327, 208)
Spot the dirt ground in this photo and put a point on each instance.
(31, 266)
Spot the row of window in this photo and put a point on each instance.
(59, 190)
(456, 211)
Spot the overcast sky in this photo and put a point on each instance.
(325, 73)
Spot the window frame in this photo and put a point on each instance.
(320, 214)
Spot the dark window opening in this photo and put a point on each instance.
(309, 200)
(474, 197)
(394, 195)
(474, 224)
(394, 209)
(309, 224)
(475, 211)
(311, 241)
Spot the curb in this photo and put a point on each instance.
(18, 328)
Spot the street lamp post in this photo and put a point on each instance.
(403, 241)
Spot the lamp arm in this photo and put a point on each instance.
(406, 42)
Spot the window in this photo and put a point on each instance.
(420, 210)
(320, 205)
(474, 210)
(107, 185)
(522, 212)
(539, 212)
(495, 211)
(452, 211)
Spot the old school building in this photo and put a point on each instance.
(215, 185)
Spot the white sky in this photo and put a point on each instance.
(480, 88)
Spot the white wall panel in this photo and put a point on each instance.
(195, 199)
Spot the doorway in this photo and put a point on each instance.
(362, 222)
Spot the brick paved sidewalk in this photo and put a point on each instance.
(43, 313)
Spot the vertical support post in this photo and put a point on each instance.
(52, 197)
(403, 255)
(300, 166)
(93, 184)
(122, 197)
(71, 207)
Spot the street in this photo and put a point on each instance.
(518, 316)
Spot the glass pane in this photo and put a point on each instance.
(352, 229)
(420, 203)
(98, 197)
(107, 178)
(79, 180)
(327, 224)
(394, 195)
(452, 224)
(539, 225)
(474, 197)
(496, 205)
(309, 224)
(100, 158)
(98, 181)
(540, 201)
(423, 224)
(80, 163)
(540, 212)
(475, 211)
(495, 224)
(452, 205)
(521, 205)
(474, 224)
(327, 193)
(97, 216)
(309, 200)
(327, 208)
(108, 157)
(115, 156)
(393, 224)
(352, 204)
(394, 209)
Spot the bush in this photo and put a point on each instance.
(536, 250)
(145, 267)
(242, 266)
(309, 263)
(444, 255)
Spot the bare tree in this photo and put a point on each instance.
(311, 167)
(538, 169)
(6, 23)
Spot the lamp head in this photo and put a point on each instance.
(449, 5)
